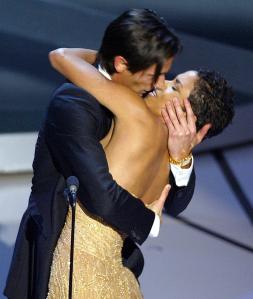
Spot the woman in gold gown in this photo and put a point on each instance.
(98, 268)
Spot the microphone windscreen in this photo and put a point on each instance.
(72, 181)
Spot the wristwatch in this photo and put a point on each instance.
(183, 162)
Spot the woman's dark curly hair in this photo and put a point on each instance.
(212, 101)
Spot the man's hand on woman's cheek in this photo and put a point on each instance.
(183, 136)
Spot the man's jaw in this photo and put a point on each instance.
(148, 92)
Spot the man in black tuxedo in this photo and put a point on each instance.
(68, 144)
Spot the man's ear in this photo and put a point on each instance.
(120, 64)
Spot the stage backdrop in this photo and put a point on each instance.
(215, 34)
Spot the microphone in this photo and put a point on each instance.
(72, 186)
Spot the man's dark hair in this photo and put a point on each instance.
(212, 101)
(142, 37)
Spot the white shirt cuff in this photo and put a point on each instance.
(155, 227)
(182, 176)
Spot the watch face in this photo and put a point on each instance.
(182, 162)
(186, 162)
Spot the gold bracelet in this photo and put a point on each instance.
(181, 162)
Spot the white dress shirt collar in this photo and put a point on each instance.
(104, 72)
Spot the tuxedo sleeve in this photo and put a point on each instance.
(179, 197)
(71, 131)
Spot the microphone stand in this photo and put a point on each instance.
(72, 200)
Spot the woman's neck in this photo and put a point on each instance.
(155, 104)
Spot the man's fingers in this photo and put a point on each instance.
(188, 108)
(180, 115)
(157, 206)
(167, 120)
(165, 116)
(163, 197)
(191, 118)
(173, 116)
(202, 133)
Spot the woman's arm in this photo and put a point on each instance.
(121, 100)
(88, 55)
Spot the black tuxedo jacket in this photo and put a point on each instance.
(68, 144)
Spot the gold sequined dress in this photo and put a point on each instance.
(98, 269)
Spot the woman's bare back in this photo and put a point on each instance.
(137, 156)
